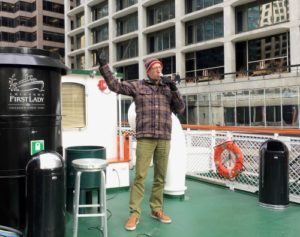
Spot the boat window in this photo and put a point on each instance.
(73, 105)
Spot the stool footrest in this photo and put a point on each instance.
(89, 205)
(91, 215)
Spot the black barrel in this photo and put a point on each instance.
(30, 121)
(45, 196)
(89, 181)
(274, 174)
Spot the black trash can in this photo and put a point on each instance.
(30, 121)
(274, 174)
(45, 196)
(89, 181)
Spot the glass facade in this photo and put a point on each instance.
(205, 64)
(261, 13)
(18, 6)
(54, 37)
(127, 24)
(169, 65)
(204, 29)
(78, 21)
(53, 7)
(100, 10)
(130, 72)
(19, 26)
(18, 21)
(161, 40)
(195, 5)
(122, 4)
(99, 34)
(127, 49)
(53, 21)
(160, 12)
(79, 41)
(263, 55)
(18, 36)
(272, 107)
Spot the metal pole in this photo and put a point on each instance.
(120, 125)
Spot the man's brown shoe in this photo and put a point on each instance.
(161, 216)
(132, 222)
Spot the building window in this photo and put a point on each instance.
(25, 6)
(261, 13)
(193, 111)
(272, 107)
(18, 6)
(8, 7)
(8, 22)
(161, 40)
(169, 65)
(130, 72)
(160, 12)
(80, 41)
(53, 7)
(73, 105)
(195, 5)
(127, 49)
(8, 37)
(99, 11)
(80, 61)
(99, 34)
(79, 20)
(18, 21)
(263, 55)
(27, 36)
(53, 21)
(122, 4)
(54, 37)
(290, 107)
(127, 24)
(203, 29)
(205, 64)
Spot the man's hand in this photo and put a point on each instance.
(101, 57)
(169, 83)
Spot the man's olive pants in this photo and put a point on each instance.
(146, 149)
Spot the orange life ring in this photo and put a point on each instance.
(229, 172)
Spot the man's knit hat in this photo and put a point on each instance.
(149, 62)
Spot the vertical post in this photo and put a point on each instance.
(76, 203)
(103, 203)
(121, 141)
(213, 144)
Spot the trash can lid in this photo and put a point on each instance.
(45, 161)
(30, 57)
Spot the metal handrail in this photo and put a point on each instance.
(271, 70)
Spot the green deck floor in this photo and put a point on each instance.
(206, 211)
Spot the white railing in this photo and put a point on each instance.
(200, 162)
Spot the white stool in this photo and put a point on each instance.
(90, 165)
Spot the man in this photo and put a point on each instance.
(155, 99)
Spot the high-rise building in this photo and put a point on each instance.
(239, 60)
(35, 24)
